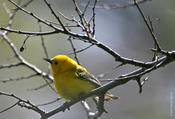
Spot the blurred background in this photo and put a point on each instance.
(123, 30)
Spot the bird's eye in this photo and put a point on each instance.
(56, 63)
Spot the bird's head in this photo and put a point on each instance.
(61, 63)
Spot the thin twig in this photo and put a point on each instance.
(84, 11)
(48, 83)
(72, 20)
(87, 109)
(28, 33)
(78, 51)
(48, 103)
(156, 55)
(82, 18)
(57, 17)
(24, 5)
(74, 49)
(10, 65)
(23, 103)
(44, 46)
(12, 14)
(43, 43)
(93, 18)
(36, 17)
(19, 78)
(24, 42)
(148, 26)
(68, 26)
(39, 87)
(116, 5)
(23, 61)
(8, 108)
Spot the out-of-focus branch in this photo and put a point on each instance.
(27, 32)
(22, 103)
(48, 103)
(10, 107)
(19, 78)
(11, 15)
(74, 49)
(81, 50)
(115, 5)
(22, 60)
(10, 65)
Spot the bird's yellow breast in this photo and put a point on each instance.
(68, 86)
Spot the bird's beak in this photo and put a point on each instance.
(48, 60)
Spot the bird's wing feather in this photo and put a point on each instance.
(84, 75)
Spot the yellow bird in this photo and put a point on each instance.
(71, 80)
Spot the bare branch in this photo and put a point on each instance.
(86, 108)
(22, 103)
(17, 79)
(73, 20)
(34, 16)
(23, 61)
(48, 103)
(28, 33)
(52, 11)
(93, 18)
(74, 49)
(48, 83)
(8, 108)
(81, 17)
(39, 87)
(156, 55)
(78, 51)
(84, 11)
(148, 26)
(117, 5)
(11, 15)
(25, 4)
(10, 65)
(44, 46)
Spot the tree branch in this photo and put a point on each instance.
(90, 40)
